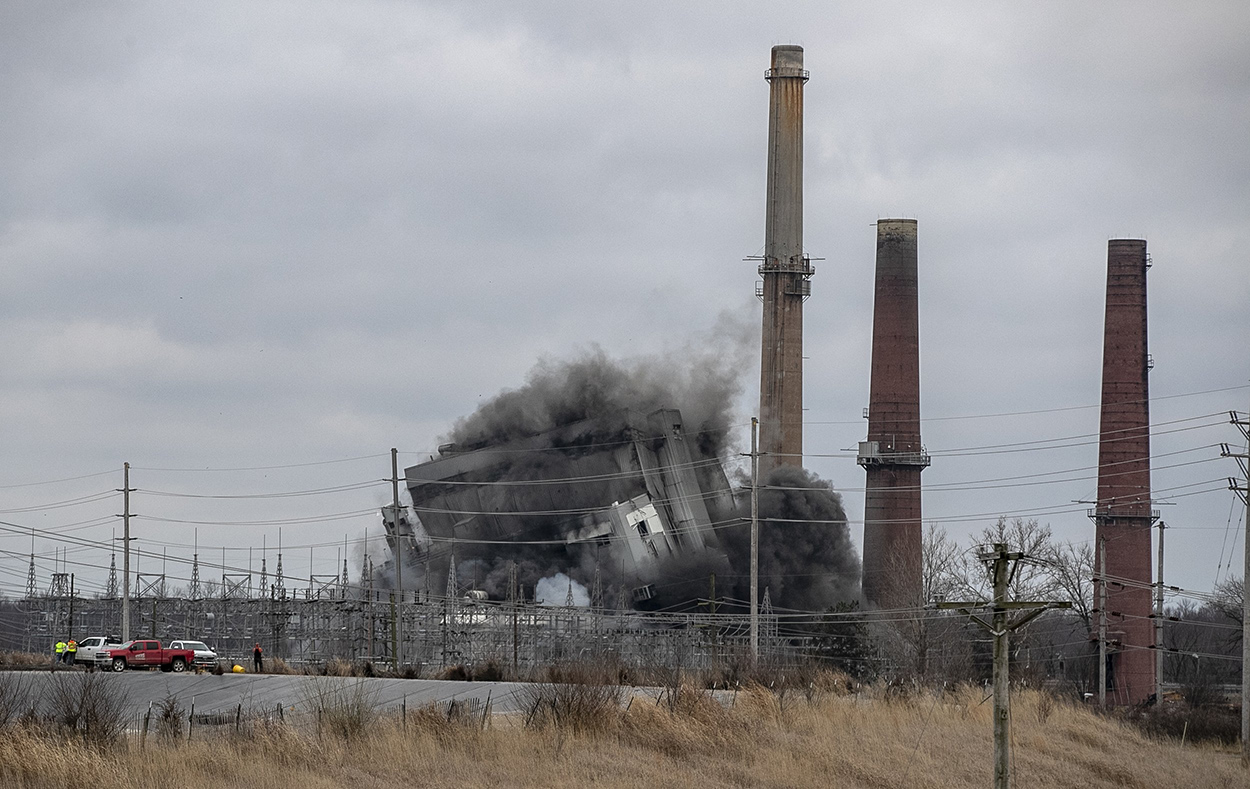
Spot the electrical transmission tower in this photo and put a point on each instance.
(279, 586)
(110, 591)
(32, 584)
(193, 591)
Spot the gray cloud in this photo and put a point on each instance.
(238, 236)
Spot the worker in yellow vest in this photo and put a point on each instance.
(71, 651)
(60, 651)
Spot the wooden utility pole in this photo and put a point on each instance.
(1002, 565)
(397, 631)
(755, 540)
(1243, 460)
(126, 490)
(512, 598)
(1159, 622)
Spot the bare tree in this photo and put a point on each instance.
(1228, 599)
(1072, 572)
(936, 644)
(925, 643)
(941, 566)
(1033, 579)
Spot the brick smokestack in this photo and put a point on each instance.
(1123, 513)
(785, 270)
(893, 456)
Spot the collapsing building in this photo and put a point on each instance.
(618, 503)
(403, 534)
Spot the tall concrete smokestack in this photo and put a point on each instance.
(785, 270)
(893, 455)
(1123, 513)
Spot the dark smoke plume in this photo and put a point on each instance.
(703, 388)
(702, 384)
(807, 560)
(805, 565)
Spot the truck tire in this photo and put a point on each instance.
(179, 665)
(119, 664)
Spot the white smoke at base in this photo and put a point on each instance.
(554, 590)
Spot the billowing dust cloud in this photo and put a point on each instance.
(807, 560)
(809, 564)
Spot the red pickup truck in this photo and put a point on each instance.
(146, 654)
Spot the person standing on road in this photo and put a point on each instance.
(258, 660)
(60, 652)
(71, 651)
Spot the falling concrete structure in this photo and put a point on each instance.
(893, 455)
(1123, 513)
(785, 270)
(626, 496)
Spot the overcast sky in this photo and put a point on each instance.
(259, 236)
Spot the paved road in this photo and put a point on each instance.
(222, 693)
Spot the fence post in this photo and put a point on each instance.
(191, 719)
(404, 713)
(147, 717)
(238, 717)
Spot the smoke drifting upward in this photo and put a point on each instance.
(576, 421)
(807, 559)
(701, 386)
(577, 404)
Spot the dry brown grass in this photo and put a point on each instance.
(338, 667)
(940, 741)
(21, 661)
(276, 665)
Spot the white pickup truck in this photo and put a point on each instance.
(88, 648)
(204, 657)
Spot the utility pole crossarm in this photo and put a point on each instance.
(966, 611)
(1035, 608)
(1034, 614)
(1013, 605)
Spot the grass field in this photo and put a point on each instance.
(587, 737)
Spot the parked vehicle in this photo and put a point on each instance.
(90, 648)
(146, 654)
(204, 657)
